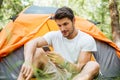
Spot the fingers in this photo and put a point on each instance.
(29, 70)
(26, 71)
(52, 58)
(29, 75)
(23, 70)
(50, 55)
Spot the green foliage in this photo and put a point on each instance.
(95, 10)
(11, 8)
(118, 2)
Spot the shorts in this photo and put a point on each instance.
(52, 72)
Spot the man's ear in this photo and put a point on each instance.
(73, 20)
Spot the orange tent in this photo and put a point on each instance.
(29, 26)
(36, 21)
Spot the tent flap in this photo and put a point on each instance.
(28, 26)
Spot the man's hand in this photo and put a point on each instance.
(56, 58)
(27, 70)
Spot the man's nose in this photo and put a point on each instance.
(62, 28)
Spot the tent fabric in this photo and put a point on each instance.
(10, 65)
(107, 58)
(109, 62)
(29, 26)
(31, 23)
(91, 29)
(23, 29)
(40, 10)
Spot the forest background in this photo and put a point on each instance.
(104, 12)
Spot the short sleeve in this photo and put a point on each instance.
(89, 44)
(48, 37)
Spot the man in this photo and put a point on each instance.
(72, 53)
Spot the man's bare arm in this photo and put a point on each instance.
(84, 57)
(29, 50)
(30, 47)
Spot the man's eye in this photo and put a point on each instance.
(65, 24)
(59, 25)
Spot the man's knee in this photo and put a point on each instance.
(89, 71)
(93, 63)
(94, 66)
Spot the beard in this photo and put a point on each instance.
(67, 33)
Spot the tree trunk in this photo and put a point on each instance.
(115, 21)
(1, 3)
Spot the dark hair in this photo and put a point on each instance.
(64, 12)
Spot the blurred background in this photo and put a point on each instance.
(95, 10)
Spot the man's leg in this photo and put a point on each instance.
(39, 61)
(90, 70)
(40, 58)
(49, 70)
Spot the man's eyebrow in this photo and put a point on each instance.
(58, 24)
(65, 23)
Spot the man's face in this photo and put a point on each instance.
(66, 26)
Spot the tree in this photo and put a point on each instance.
(9, 8)
(115, 21)
(1, 3)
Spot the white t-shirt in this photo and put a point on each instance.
(70, 48)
